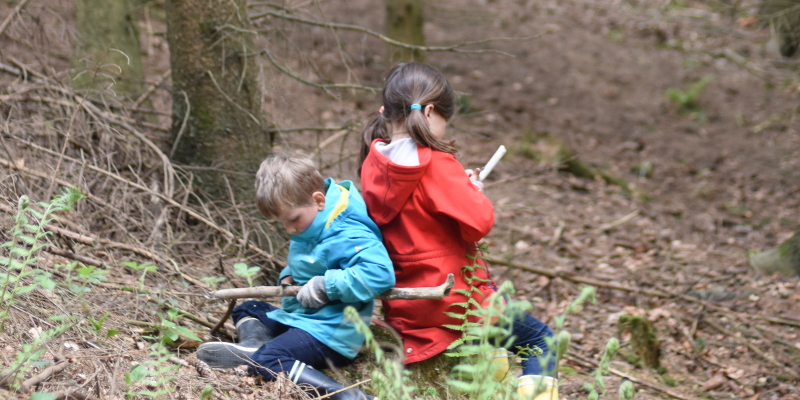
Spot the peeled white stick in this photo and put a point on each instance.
(501, 151)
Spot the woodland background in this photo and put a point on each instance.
(683, 112)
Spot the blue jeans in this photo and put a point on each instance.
(289, 344)
(530, 332)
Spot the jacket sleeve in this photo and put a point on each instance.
(450, 192)
(360, 268)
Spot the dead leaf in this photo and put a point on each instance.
(714, 383)
(747, 21)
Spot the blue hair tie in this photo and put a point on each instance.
(416, 107)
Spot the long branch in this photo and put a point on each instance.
(457, 48)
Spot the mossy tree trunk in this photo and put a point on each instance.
(404, 22)
(215, 81)
(106, 30)
(783, 19)
(784, 259)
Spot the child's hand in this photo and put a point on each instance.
(287, 281)
(474, 176)
(313, 293)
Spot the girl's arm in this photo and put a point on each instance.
(451, 193)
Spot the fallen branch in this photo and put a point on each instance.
(429, 293)
(42, 376)
(588, 361)
(456, 48)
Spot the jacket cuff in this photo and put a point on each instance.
(331, 276)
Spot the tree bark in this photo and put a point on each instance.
(215, 82)
(106, 29)
(404, 22)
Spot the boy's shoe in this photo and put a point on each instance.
(528, 385)
(251, 334)
(315, 382)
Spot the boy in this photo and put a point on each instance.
(336, 253)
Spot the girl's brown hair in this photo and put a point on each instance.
(407, 84)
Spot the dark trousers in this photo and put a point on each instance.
(530, 332)
(290, 344)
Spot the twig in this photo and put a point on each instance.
(230, 100)
(151, 89)
(324, 87)
(454, 48)
(216, 328)
(190, 316)
(750, 346)
(614, 224)
(40, 377)
(229, 235)
(11, 16)
(586, 360)
(556, 235)
(183, 124)
(551, 273)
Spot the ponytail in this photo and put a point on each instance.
(419, 130)
(406, 85)
(375, 129)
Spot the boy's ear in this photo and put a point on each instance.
(319, 200)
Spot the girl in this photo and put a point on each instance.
(431, 215)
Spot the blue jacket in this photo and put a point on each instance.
(345, 246)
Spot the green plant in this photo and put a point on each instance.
(687, 100)
(27, 240)
(212, 281)
(145, 268)
(246, 272)
(612, 346)
(155, 373)
(391, 381)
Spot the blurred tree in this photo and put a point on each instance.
(217, 117)
(107, 55)
(783, 19)
(404, 22)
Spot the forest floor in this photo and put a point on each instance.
(712, 178)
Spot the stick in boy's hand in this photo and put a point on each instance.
(501, 151)
(421, 293)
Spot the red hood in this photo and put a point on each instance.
(387, 193)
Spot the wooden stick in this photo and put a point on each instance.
(46, 373)
(429, 293)
(8, 19)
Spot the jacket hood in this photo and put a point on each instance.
(386, 185)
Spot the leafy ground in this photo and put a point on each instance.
(724, 181)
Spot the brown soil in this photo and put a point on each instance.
(725, 181)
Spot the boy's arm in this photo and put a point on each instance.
(366, 270)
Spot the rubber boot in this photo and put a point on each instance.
(318, 384)
(499, 358)
(251, 334)
(548, 389)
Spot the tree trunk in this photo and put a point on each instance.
(784, 259)
(404, 23)
(106, 29)
(214, 78)
(783, 19)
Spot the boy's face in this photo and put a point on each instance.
(296, 220)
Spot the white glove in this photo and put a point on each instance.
(313, 294)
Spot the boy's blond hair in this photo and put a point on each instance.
(284, 181)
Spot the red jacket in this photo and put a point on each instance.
(430, 215)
